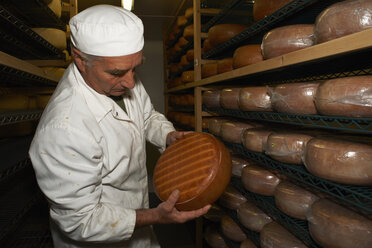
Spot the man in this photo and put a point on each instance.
(88, 153)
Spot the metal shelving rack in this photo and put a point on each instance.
(11, 117)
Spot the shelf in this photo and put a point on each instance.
(11, 117)
(363, 125)
(5, 174)
(345, 56)
(178, 73)
(356, 196)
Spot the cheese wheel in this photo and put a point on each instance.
(211, 98)
(225, 65)
(57, 71)
(339, 160)
(232, 230)
(238, 164)
(293, 200)
(215, 213)
(247, 244)
(215, 125)
(54, 36)
(252, 217)
(258, 180)
(182, 42)
(14, 102)
(221, 33)
(231, 131)
(350, 97)
(255, 98)
(187, 76)
(207, 46)
(230, 98)
(188, 32)
(189, 12)
(56, 7)
(287, 147)
(205, 122)
(343, 18)
(198, 165)
(181, 21)
(190, 55)
(208, 70)
(174, 82)
(296, 98)
(332, 225)
(42, 100)
(255, 139)
(263, 8)
(173, 68)
(231, 198)
(213, 238)
(183, 62)
(274, 235)
(286, 39)
(247, 55)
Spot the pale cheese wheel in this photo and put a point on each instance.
(351, 96)
(213, 238)
(232, 131)
(237, 165)
(255, 139)
(57, 71)
(339, 160)
(14, 102)
(252, 217)
(263, 8)
(232, 230)
(286, 39)
(215, 213)
(296, 98)
(231, 198)
(293, 200)
(215, 125)
(332, 225)
(221, 33)
(343, 18)
(287, 147)
(211, 98)
(247, 244)
(188, 32)
(247, 55)
(55, 37)
(187, 76)
(56, 7)
(255, 98)
(42, 100)
(208, 70)
(230, 98)
(225, 65)
(258, 180)
(190, 55)
(274, 235)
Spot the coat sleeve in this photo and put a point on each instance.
(68, 165)
(157, 126)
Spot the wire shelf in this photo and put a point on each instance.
(11, 117)
(362, 125)
(359, 197)
(11, 77)
(13, 170)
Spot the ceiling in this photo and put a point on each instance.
(156, 15)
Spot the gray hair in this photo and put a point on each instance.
(89, 58)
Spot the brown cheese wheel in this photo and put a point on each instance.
(231, 131)
(287, 147)
(189, 12)
(208, 70)
(211, 98)
(230, 98)
(339, 160)
(258, 180)
(296, 98)
(232, 230)
(274, 235)
(190, 55)
(332, 225)
(255, 139)
(287, 39)
(247, 55)
(182, 42)
(237, 164)
(255, 98)
(188, 32)
(215, 213)
(231, 198)
(183, 62)
(340, 19)
(207, 46)
(293, 200)
(213, 238)
(215, 125)
(247, 244)
(187, 76)
(350, 97)
(225, 65)
(181, 21)
(220, 33)
(205, 122)
(263, 8)
(198, 165)
(252, 217)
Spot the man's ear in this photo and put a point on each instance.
(78, 59)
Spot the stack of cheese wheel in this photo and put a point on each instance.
(332, 225)
(231, 198)
(211, 98)
(342, 160)
(231, 229)
(274, 235)
(213, 238)
(255, 139)
(287, 39)
(252, 217)
(208, 70)
(225, 65)
(255, 98)
(247, 55)
(263, 8)
(198, 165)
(343, 18)
(232, 131)
(296, 98)
(351, 97)
(221, 33)
(230, 98)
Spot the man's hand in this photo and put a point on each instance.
(174, 136)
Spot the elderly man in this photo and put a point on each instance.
(89, 148)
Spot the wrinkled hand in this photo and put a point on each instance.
(167, 212)
(174, 136)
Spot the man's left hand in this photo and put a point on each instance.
(174, 136)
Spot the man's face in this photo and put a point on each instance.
(112, 76)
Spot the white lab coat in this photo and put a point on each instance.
(90, 162)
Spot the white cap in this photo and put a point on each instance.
(108, 31)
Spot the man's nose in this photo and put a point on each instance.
(128, 81)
